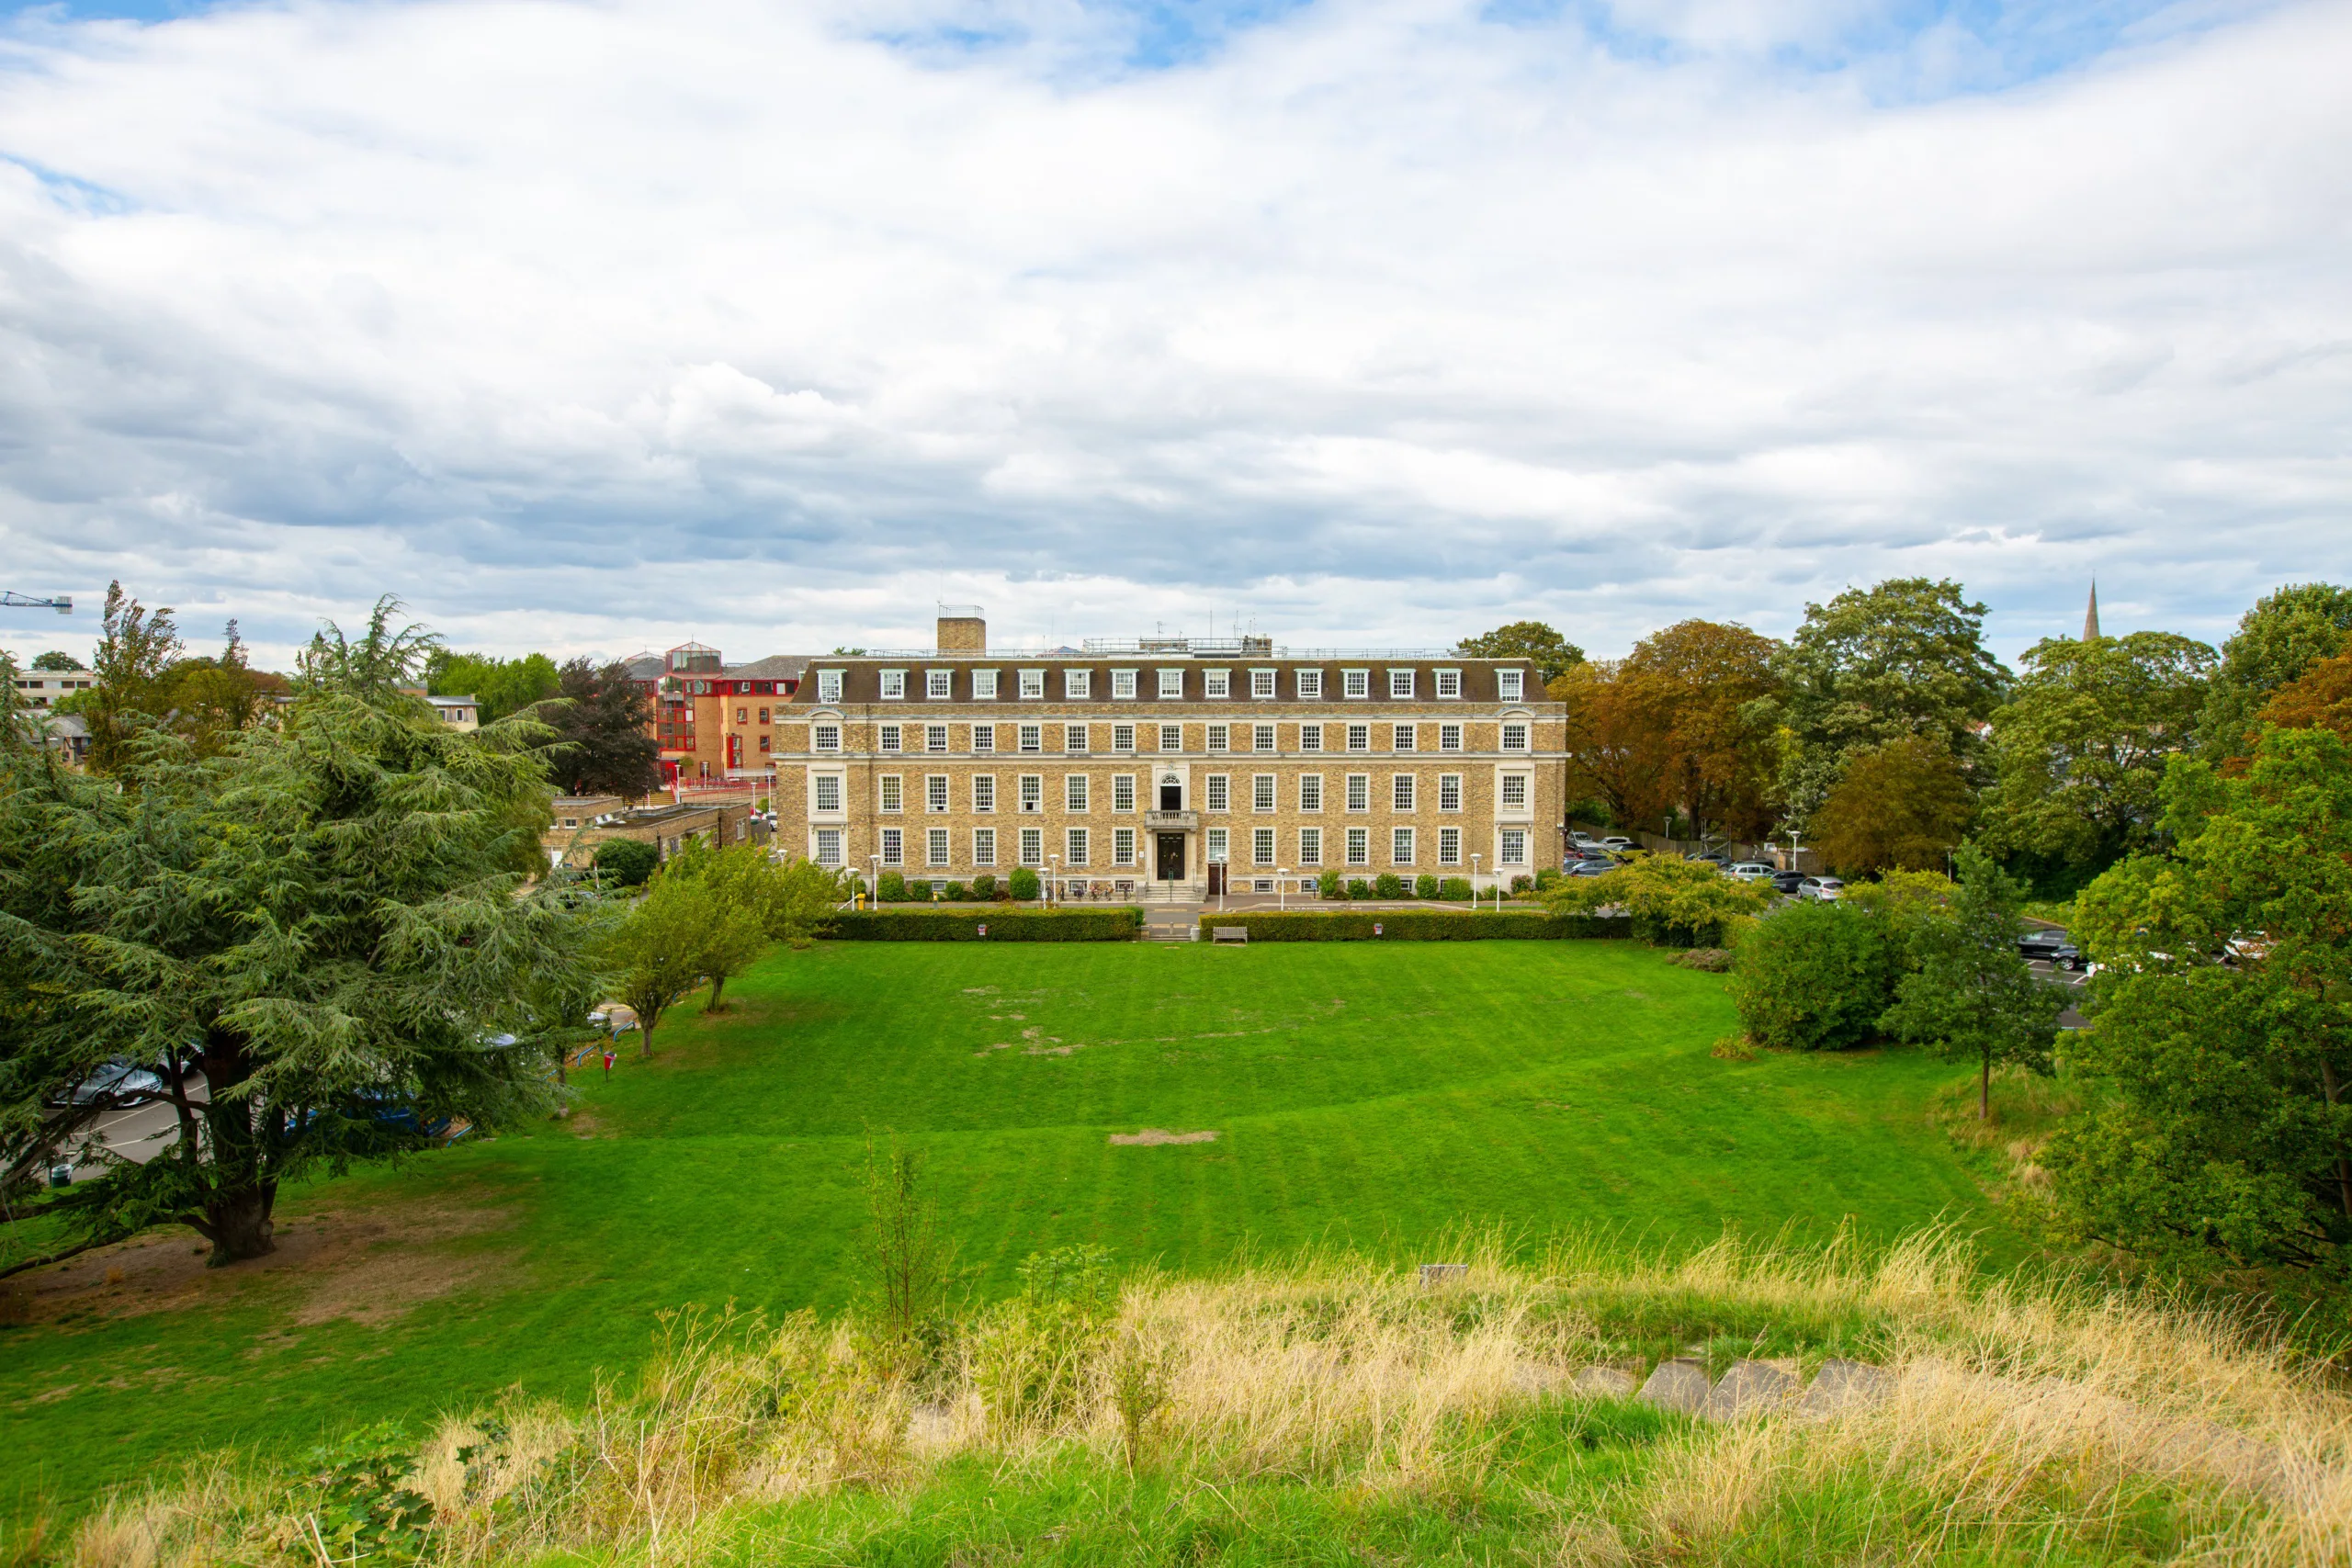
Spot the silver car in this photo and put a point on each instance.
(1822, 888)
(1751, 871)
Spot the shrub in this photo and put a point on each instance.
(984, 886)
(1388, 884)
(1814, 976)
(1523, 884)
(1675, 903)
(627, 862)
(1418, 925)
(958, 894)
(1116, 924)
(892, 889)
(1425, 885)
(1327, 885)
(1359, 888)
(1455, 887)
(1708, 960)
(1024, 884)
(1546, 880)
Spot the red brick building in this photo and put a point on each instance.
(714, 721)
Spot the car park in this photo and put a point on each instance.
(1821, 888)
(2051, 946)
(1786, 883)
(1590, 867)
(115, 1082)
(1617, 841)
(1752, 871)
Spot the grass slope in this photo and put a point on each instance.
(1381, 1097)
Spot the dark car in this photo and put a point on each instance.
(2051, 947)
(1590, 867)
(1786, 882)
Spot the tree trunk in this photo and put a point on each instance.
(644, 1038)
(717, 989)
(1984, 1090)
(237, 1223)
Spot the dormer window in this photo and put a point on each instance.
(1401, 683)
(1216, 683)
(1077, 683)
(1448, 684)
(1309, 682)
(1510, 685)
(1171, 682)
(1033, 685)
(1261, 683)
(828, 685)
(939, 684)
(1123, 684)
(984, 685)
(1355, 684)
(894, 686)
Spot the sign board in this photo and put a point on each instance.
(1376, 928)
(983, 930)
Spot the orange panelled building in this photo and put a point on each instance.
(715, 721)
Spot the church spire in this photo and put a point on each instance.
(2090, 615)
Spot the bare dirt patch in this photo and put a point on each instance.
(1162, 1136)
(369, 1265)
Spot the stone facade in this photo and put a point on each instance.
(1172, 764)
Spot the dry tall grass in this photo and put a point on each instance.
(2020, 1412)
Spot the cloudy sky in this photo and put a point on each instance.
(594, 327)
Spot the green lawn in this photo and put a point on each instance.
(1378, 1096)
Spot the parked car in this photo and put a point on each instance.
(1822, 888)
(1617, 841)
(2051, 947)
(1786, 883)
(1753, 871)
(1590, 867)
(121, 1081)
(2247, 946)
(1582, 838)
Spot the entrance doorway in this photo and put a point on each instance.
(1216, 880)
(1171, 857)
(1171, 795)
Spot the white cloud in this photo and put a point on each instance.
(601, 326)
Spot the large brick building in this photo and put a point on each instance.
(1169, 764)
(714, 720)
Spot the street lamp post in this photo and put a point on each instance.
(873, 883)
(1474, 883)
(1282, 888)
(1053, 871)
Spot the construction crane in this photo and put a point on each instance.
(62, 603)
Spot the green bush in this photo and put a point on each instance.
(984, 886)
(1546, 879)
(958, 894)
(627, 860)
(1455, 887)
(1116, 924)
(1359, 888)
(1523, 884)
(1419, 925)
(1388, 884)
(892, 889)
(1425, 885)
(1024, 884)
(1329, 886)
(1814, 977)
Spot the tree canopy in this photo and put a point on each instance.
(2285, 634)
(56, 658)
(327, 919)
(1904, 658)
(2080, 747)
(1968, 994)
(1552, 654)
(499, 686)
(2228, 1138)
(1904, 805)
(602, 746)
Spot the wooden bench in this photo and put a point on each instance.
(1229, 933)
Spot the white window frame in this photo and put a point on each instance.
(934, 793)
(1219, 795)
(1359, 843)
(1123, 738)
(888, 739)
(1032, 688)
(939, 685)
(1263, 685)
(1217, 737)
(1310, 737)
(1076, 684)
(1078, 846)
(1311, 791)
(984, 685)
(829, 846)
(1358, 791)
(1400, 683)
(1261, 737)
(825, 738)
(984, 737)
(1213, 845)
(1355, 685)
(1449, 792)
(1123, 846)
(1307, 684)
(1449, 686)
(1032, 846)
(894, 846)
(1168, 729)
(1310, 846)
(1401, 846)
(1511, 686)
(1448, 846)
(936, 847)
(1261, 846)
(1123, 686)
(1403, 789)
(1404, 738)
(1514, 735)
(894, 686)
(1449, 737)
(1505, 852)
(1123, 792)
(983, 846)
(828, 685)
(1171, 682)
(1075, 738)
(821, 784)
(1359, 737)
(984, 792)
(1031, 739)
(890, 793)
(1216, 683)
(1261, 791)
(1076, 792)
(934, 738)
(1029, 799)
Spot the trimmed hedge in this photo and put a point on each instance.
(1122, 924)
(1419, 925)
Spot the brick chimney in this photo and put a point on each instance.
(962, 629)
